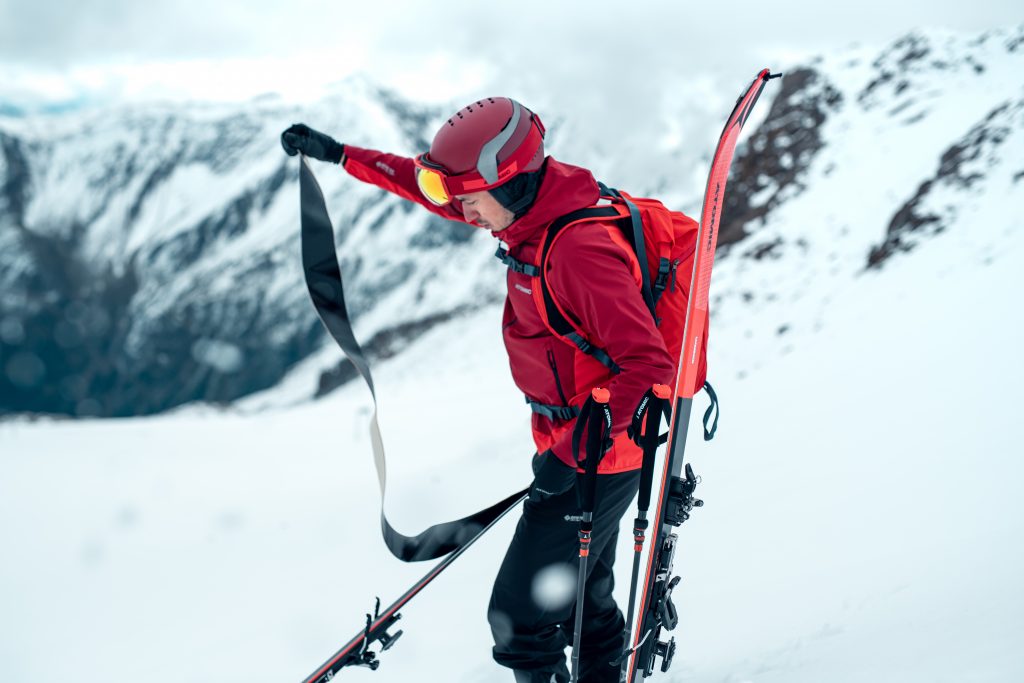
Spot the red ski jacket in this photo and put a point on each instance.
(593, 275)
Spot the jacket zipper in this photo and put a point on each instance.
(672, 276)
(675, 264)
(554, 371)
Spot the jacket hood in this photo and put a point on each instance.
(565, 188)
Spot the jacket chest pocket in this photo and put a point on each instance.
(527, 319)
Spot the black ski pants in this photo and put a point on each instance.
(531, 638)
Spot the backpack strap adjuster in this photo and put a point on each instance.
(515, 264)
(553, 412)
(661, 281)
(600, 355)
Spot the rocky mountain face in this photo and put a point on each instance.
(149, 254)
(926, 92)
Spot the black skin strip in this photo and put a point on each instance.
(326, 289)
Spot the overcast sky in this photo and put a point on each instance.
(235, 49)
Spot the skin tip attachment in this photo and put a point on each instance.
(601, 395)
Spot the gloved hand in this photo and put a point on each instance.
(301, 138)
(551, 477)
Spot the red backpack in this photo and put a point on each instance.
(668, 240)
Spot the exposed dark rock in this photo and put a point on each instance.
(72, 327)
(906, 54)
(233, 220)
(1014, 42)
(155, 178)
(765, 250)
(414, 120)
(774, 160)
(385, 217)
(383, 345)
(14, 189)
(80, 337)
(438, 232)
(959, 170)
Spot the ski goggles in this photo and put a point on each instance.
(432, 181)
(440, 187)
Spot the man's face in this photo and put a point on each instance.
(483, 210)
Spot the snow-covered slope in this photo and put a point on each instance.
(862, 520)
(874, 154)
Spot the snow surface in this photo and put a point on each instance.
(862, 518)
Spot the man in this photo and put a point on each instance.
(486, 166)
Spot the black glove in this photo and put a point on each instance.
(551, 477)
(302, 138)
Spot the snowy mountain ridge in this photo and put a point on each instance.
(149, 253)
(862, 508)
(922, 139)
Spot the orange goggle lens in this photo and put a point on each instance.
(432, 186)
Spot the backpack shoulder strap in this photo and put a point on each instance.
(623, 210)
(635, 235)
(551, 311)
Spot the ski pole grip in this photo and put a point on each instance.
(655, 407)
(662, 391)
(600, 424)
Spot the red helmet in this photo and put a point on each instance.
(480, 147)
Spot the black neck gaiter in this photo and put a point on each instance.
(519, 193)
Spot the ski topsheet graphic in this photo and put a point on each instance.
(676, 493)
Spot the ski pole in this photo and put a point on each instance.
(599, 425)
(644, 433)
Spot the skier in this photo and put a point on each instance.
(486, 166)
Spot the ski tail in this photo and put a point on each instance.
(675, 499)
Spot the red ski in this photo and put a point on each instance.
(675, 499)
